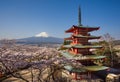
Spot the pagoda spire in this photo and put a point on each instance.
(79, 16)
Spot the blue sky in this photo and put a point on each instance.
(26, 18)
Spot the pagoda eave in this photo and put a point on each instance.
(80, 57)
(72, 69)
(88, 37)
(81, 46)
(95, 68)
(76, 46)
(82, 28)
(85, 68)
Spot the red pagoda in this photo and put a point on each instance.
(79, 47)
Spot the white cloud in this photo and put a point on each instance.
(42, 34)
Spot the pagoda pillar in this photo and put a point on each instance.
(89, 75)
(75, 76)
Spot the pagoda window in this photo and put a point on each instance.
(76, 40)
(73, 41)
(73, 75)
(79, 50)
(75, 50)
(79, 40)
(74, 31)
(78, 31)
(72, 49)
(82, 76)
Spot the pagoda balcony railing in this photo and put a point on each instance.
(80, 44)
(82, 58)
(80, 34)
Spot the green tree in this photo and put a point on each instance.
(107, 43)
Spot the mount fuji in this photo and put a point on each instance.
(40, 38)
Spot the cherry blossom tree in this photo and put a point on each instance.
(15, 58)
(107, 41)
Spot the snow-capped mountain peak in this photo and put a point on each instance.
(42, 34)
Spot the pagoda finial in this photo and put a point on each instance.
(79, 16)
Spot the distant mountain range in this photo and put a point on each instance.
(46, 40)
(40, 40)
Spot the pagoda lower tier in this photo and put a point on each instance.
(90, 63)
(81, 46)
(81, 36)
(81, 39)
(80, 49)
(81, 56)
(85, 72)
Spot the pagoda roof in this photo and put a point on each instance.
(95, 68)
(81, 36)
(89, 37)
(85, 68)
(67, 55)
(72, 69)
(80, 57)
(85, 46)
(82, 28)
(81, 46)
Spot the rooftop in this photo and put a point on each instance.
(82, 28)
(80, 57)
(89, 37)
(85, 68)
(81, 46)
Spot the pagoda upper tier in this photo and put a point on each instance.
(81, 36)
(81, 28)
